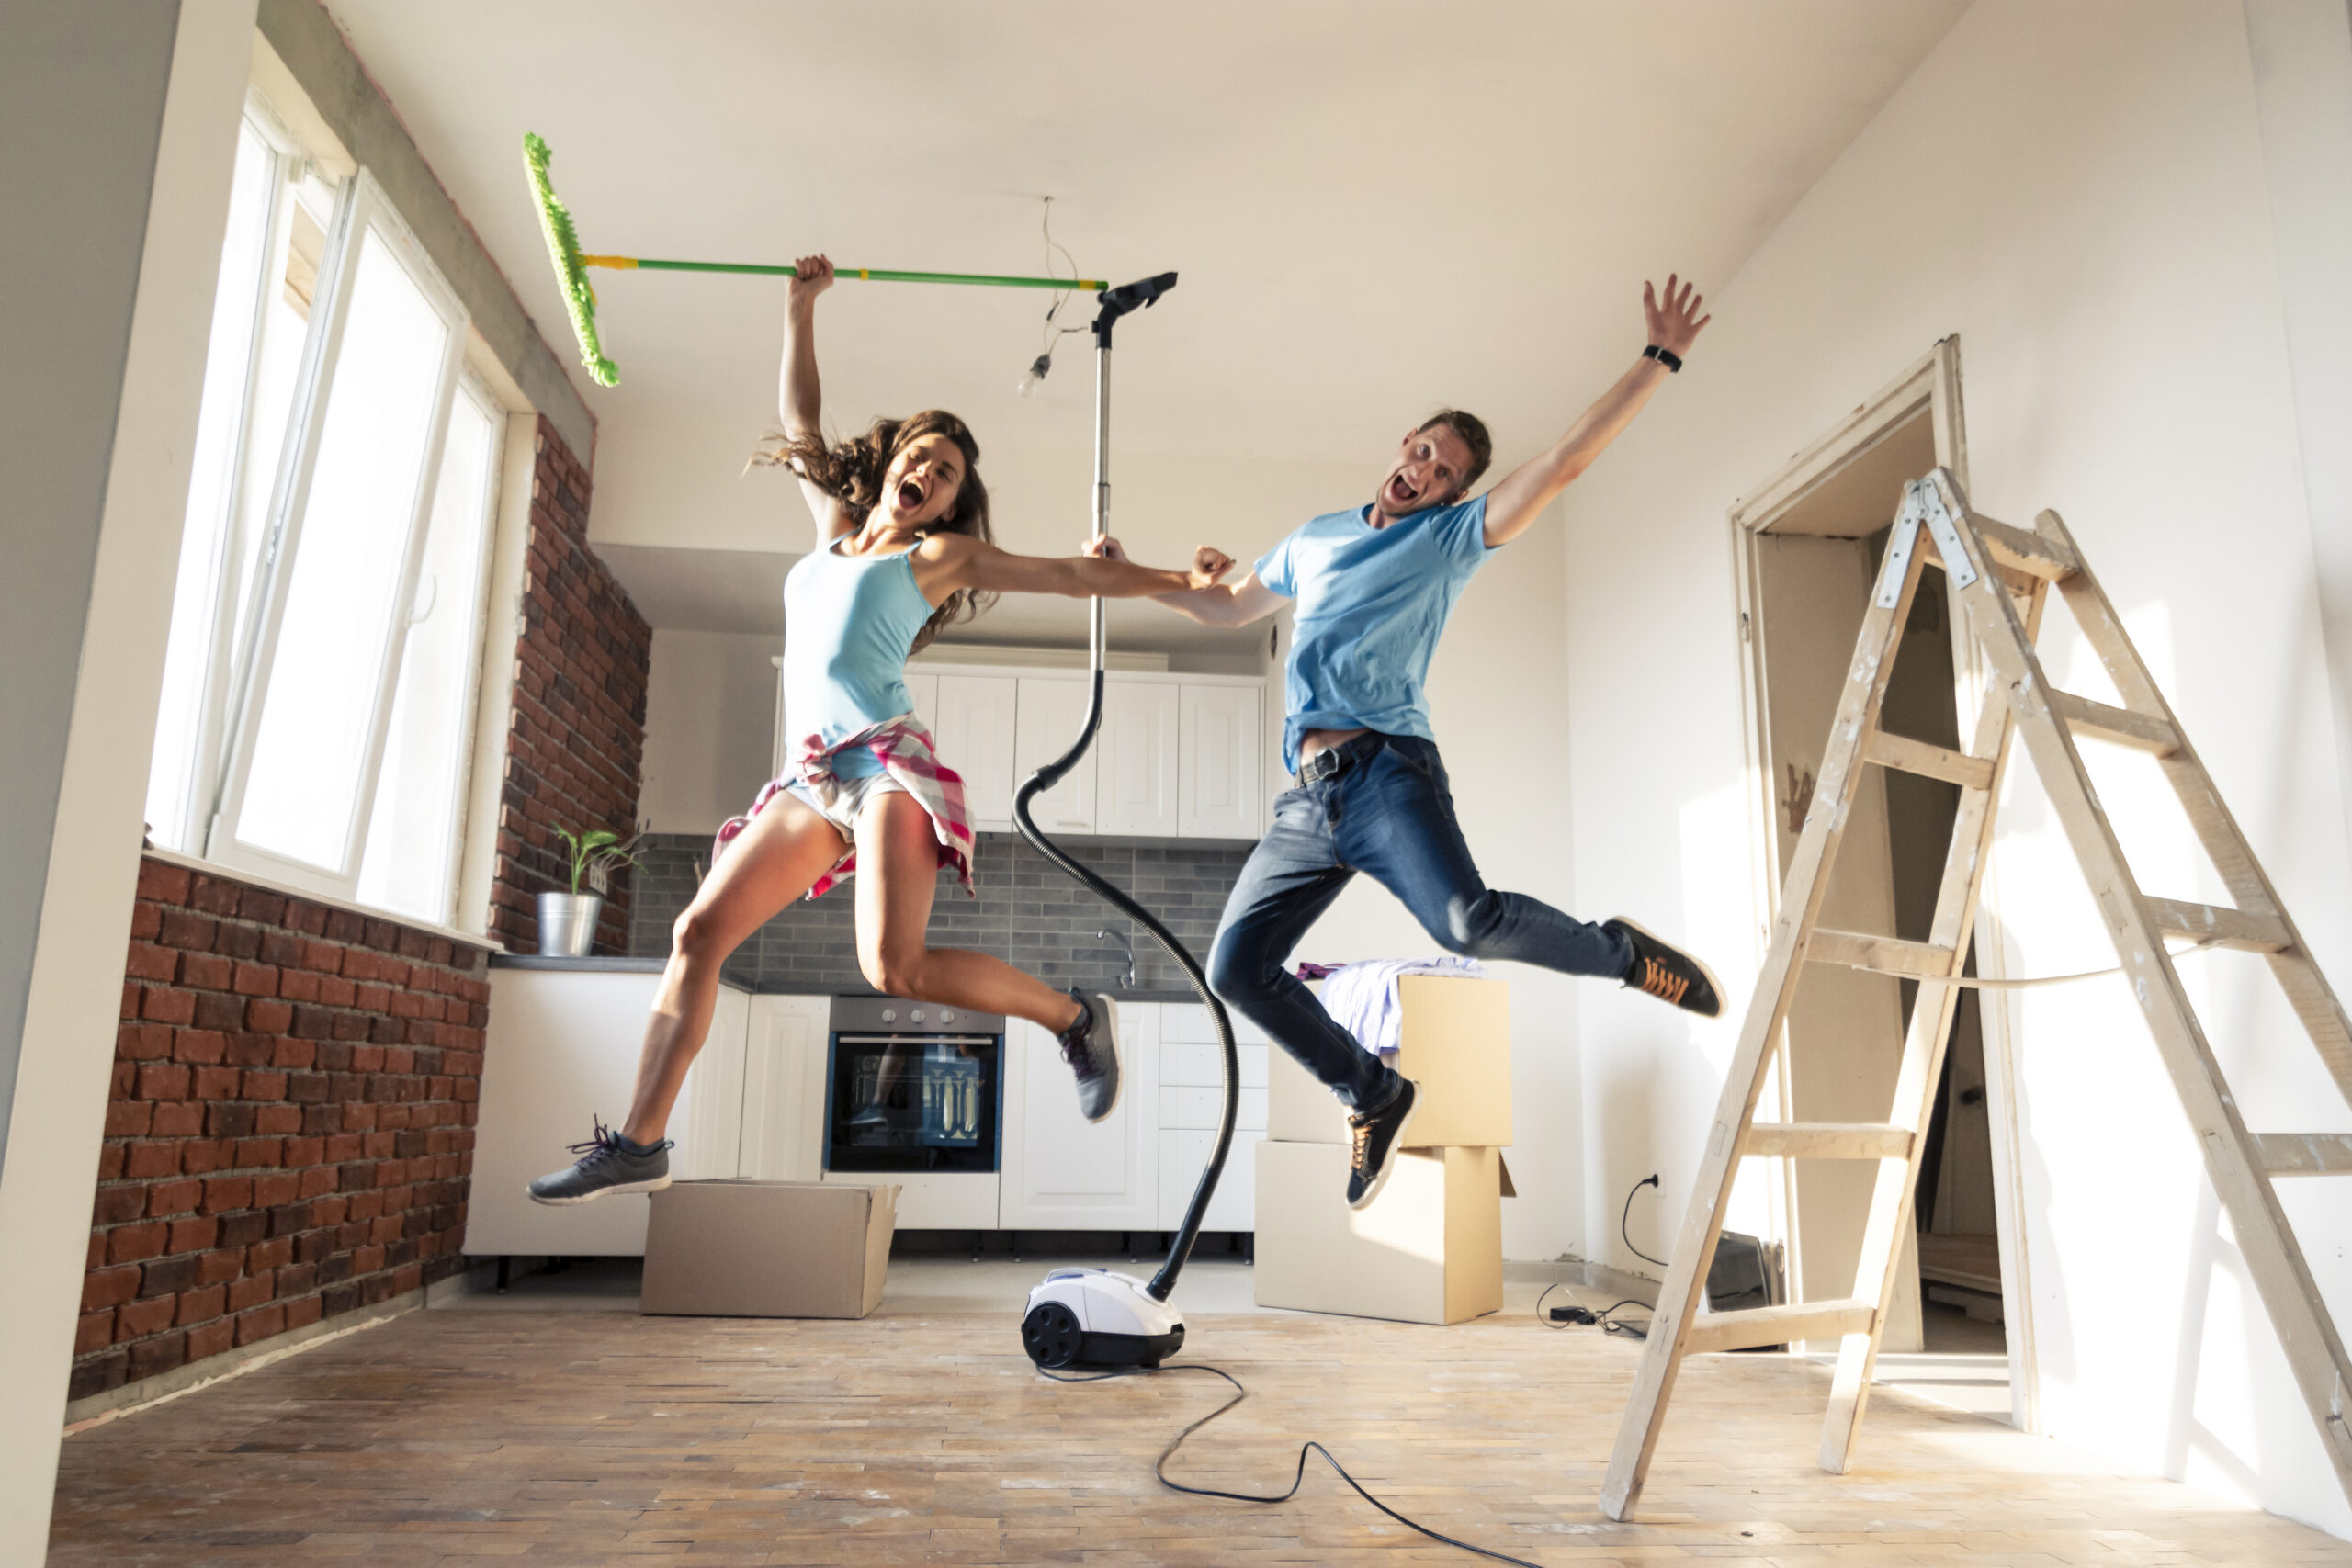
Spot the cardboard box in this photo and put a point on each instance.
(1429, 1249)
(1454, 1040)
(743, 1249)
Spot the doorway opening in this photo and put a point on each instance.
(1809, 545)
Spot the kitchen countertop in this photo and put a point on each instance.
(609, 964)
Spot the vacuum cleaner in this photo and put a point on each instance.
(1098, 1317)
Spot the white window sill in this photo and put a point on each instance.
(230, 874)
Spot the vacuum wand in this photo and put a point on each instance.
(1115, 303)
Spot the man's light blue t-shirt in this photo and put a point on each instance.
(1371, 602)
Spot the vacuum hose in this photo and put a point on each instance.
(1117, 302)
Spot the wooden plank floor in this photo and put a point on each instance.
(447, 1438)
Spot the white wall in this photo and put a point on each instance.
(134, 110)
(709, 727)
(2079, 193)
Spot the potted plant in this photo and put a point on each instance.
(568, 920)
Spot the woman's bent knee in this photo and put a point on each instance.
(695, 938)
(898, 974)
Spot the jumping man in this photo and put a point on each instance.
(1374, 586)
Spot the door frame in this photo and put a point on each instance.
(1932, 384)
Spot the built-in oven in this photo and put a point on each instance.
(913, 1086)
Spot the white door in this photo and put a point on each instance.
(1135, 791)
(924, 689)
(1221, 784)
(1192, 1101)
(1062, 1172)
(1051, 710)
(784, 1089)
(975, 731)
(707, 1128)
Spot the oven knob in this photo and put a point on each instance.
(889, 1015)
(917, 1015)
(947, 1015)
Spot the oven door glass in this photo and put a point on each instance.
(913, 1103)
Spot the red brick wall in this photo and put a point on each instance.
(578, 737)
(291, 1128)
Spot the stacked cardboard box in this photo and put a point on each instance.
(1429, 1248)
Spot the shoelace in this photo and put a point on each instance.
(604, 1145)
(1663, 982)
(1361, 1133)
(1076, 1048)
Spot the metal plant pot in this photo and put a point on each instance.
(568, 924)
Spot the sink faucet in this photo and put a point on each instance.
(1126, 950)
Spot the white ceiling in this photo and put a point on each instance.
(1375, 208)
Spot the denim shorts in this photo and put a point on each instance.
(845, 800)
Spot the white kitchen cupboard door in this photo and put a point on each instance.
(1135, 791)
(975, 732)
(1222, 787)
(1062, 1172)
(784, 1089)
(924, 689)
(1050, 713)
(1184, 1152)
(708, 1125)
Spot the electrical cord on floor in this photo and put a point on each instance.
(1650, 1181)
(1298, 1479)
(1581, 1316)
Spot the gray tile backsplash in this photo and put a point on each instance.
(1029, 913)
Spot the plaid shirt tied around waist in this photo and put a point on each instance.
(904, 748)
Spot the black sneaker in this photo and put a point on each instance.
(1667, 973)
(608, 1163)
(1377, 1135)
(1090, 1046)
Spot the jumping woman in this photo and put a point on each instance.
(903, 551)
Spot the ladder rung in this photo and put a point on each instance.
(2306, 1154)
(1778, 1325)
(2120, 726)
(2028, 552)
(1857, 951)
(1828, 1140)
(1934, 762)
(2220, 927)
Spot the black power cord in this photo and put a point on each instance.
(1298, 1478)
(1649, 1180)
(1581, 1316)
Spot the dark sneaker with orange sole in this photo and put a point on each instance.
(1376, 1136)
(1665, 972)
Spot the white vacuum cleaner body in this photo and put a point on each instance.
(1097, 1318)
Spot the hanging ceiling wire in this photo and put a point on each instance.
(1052, 332)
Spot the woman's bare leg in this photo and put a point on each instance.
(785, 849)
(898, 872)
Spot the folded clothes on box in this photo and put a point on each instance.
(1361, 998)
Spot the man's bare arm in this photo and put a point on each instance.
(1514, 504)
(1215, 604)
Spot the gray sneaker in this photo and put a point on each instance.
(606, 1165)
(1090, 1046)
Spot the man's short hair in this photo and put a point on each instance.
(1473, 433)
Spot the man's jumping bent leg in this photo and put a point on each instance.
(1290, 878)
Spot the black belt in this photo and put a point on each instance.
(1334, 761)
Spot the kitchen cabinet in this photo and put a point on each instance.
(1050, 711)
(1135, 791)
(1060, 1171)
(784, 1089)
(1191, 1098)
(560, 1053)
(1222, 783)
(975, 731)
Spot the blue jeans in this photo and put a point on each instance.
(1386, 812)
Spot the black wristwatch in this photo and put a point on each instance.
(1665, 357)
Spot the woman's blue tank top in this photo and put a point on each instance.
(849, 622)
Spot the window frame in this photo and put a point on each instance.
(361, 207)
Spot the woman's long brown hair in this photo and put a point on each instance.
(851, 471)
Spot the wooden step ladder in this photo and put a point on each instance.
(2003, 575)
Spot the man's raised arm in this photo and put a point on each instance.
(1513, 504)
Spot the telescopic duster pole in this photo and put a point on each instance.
(1115, 303)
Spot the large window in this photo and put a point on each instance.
(326, 627)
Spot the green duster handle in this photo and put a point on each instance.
(866, 274)
(579, 298)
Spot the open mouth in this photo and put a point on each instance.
(1398, 489)
(910, 495)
